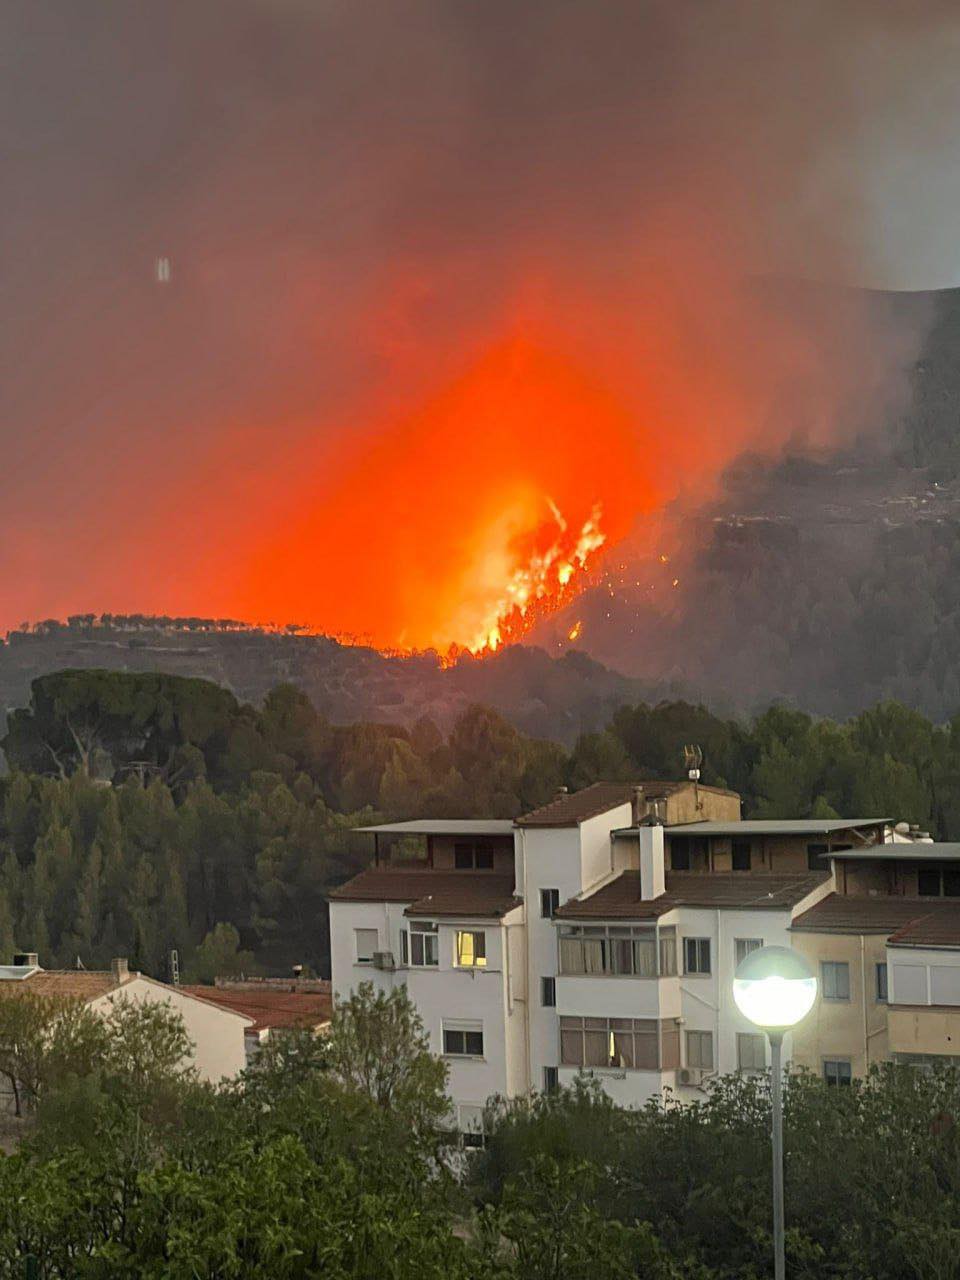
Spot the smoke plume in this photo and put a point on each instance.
(338, 312)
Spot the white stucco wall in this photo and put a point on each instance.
(217, 1034)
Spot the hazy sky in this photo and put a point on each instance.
(361, 200)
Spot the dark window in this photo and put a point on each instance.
(817, 857)
(551, 1079)
(463, 1043)
(835, 980)
(463, 857)
(549, 901)
(836, 1071)
(548, 993)
(473, 1140)
(928, 882)
(951, 881)
(696, 955)
(472, 857)
(881, 982)
(680, 853)
(741, 855)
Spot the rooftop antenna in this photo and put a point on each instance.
(692, 760)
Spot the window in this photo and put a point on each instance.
(551, 1079)
(696, 955)
(367, 943)
(549, 901)
(548, 993)
(700, 1049)
(743, 946)
(817, 857)
(631, 1044)
(472, 857)
(834, 980)
(463, 1039)
(837, 1071)
(622, 950)
(741, 855)
(935, 882)
(751, 1052)
(928, 882)
(471, 949)
(881, 983)
(680, 853)
(424, 945)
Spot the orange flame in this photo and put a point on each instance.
(542, 585)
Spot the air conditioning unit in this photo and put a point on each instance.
(691, 1077)
(383, 960)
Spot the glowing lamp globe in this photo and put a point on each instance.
(774, 988)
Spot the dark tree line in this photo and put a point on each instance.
(147, 812)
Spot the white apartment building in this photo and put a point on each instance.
(598, 934)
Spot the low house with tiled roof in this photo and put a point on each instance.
(271, 1007)
(217, 1034)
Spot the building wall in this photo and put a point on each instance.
(345, 918)
(703, 1002)
(698, 804)
(551, 859)
(925, 1030)
(853, 1030)
(217, 1034)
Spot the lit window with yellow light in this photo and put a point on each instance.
(471, 950)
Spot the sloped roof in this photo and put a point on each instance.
(769, 827)
(734, 890)
(886, 914)
(430, 892)
(444, 827)
(599, 797)
(269, 1009)
(66, 984)
(939, 928)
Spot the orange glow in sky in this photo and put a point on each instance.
(462, 523)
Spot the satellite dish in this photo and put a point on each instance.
(162, 270)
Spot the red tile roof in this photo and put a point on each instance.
(887, 914)
(940, 928)
(429, 892)
(269, 1008)
(620, 899)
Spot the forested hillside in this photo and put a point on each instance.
(143, 813)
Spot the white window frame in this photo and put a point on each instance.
(837, 1078)
(544, 1002)
(756, 1041)
(365, 959)
(464, 1027)
(881, 966)
(699, 943)
(428, 933)
(695, 1059)
(478, 949)
(549, 902)
(746, 946)
(835, 968)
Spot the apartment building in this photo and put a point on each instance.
(600, 933)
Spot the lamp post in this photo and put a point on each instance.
(775, 989)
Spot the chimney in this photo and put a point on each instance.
(561, 792)
(26, 959)
(639, 805)
(120, 969)
(652, 876)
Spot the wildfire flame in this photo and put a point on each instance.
(545, 583)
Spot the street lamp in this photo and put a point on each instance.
(775, 989)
